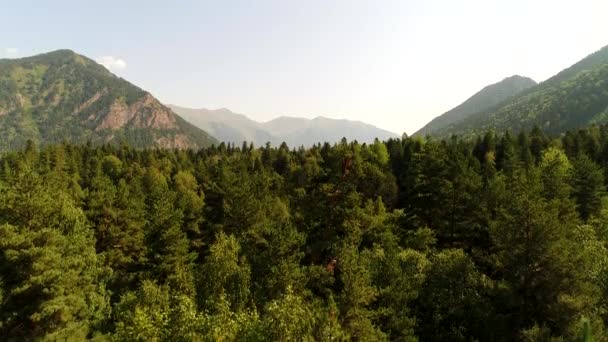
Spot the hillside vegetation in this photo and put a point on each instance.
(63, 96)
(483, 100)
(574, 98)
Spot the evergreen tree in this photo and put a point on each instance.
(588, 186)
(453, 303)
(53, 282)
(542, 270)
(118, 217)
(225, 274)
(168, 246)
(408, 239)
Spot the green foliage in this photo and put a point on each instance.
(555, 172)
(405, 240)
(225, 274)
(575, 97)
(484, 99)
(289, 319)
(118, 215)
(586, 334)
(399, 274)
(588, 187)
(52, 278)
(143, 315)
(540, 259)
(453, 304)
(358, 293)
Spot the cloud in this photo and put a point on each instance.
(112, 63)
(11, 51)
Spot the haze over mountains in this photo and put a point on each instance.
(235, 128)
(575, 97)
(62, 96)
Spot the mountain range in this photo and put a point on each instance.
(63, 96)
(235, 128)
(575, 97)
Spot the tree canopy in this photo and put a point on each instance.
(499, 238)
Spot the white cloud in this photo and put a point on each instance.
(11, 51)
(112, 63)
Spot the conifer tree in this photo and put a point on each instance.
(53, 282)
(587, 186)
(539, 262)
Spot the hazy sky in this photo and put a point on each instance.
(395, 64)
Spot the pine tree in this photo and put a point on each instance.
(118, 217)
(453, 303)
(224, 274)
(168, 245)
(53, 282)
(587, 186)
(538, 259)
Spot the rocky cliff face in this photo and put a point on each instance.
(146, 112)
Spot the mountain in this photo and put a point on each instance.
(236, 128)
(62, 96)
(284, 126)
(225, 125)
(484, 99)
(575, 97)
(299, 131)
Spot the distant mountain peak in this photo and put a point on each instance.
(575, 97)
(517, 77)
(484, 99)
(295, 131)
(61, 52)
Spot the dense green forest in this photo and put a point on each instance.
(503, 238)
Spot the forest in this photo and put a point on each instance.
(496, 239)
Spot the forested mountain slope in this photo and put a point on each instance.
(575, 97)
(63, 96)
(235, 128)
(485, 99)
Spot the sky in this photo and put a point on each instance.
(393, 63)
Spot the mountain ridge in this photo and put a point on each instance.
(295, 131)
(489, 96)
(64, 96)
(575, 97)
